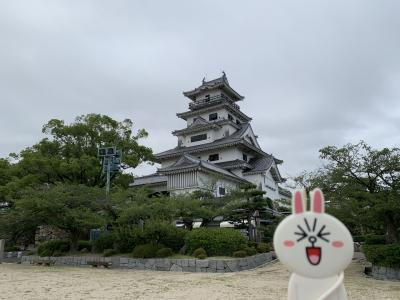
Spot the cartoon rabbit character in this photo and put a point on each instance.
(316, 247)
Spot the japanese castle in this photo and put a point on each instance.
(217, 150)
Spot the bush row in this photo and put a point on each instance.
(383, 255)
(162, 240)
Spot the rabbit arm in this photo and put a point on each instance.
(333, 288)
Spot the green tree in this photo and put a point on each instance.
(72, 208)
(362, 185)
(247, 205)
(69, 152)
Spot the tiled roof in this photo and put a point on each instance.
(233, 139)
(260, 164)
(149, 179)
(222, 104)
(232, 164)
(221, 82)
(187, 161)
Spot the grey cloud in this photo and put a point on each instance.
(314, 73)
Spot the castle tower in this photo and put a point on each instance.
(217, 150)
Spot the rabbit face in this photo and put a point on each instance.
(313, 244)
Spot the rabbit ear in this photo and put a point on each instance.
(317, 201)
(298, 202)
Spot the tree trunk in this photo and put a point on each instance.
(391, 230)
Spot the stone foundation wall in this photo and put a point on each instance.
(46, 233)
(162, 264)
(385, 273)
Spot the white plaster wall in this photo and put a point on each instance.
(209, 181)
(222, 114)
(267, 183)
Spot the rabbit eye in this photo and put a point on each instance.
(302, 234)
(321, 234)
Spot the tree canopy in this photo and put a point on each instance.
(68, 154)
(362, 185)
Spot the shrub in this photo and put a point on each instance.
(199, 251)
(164, 252)
(109, 252)
(263, 247)
(11, 249)
(53, 248)
(373, 239)
(201, 256)
(383, 255)
(240, 253)
(84, 245)
(359, 238)
(105, 241)
(158, 232)
(250, 251)
(127, 237)
(146, 251)
(252, 244)
(215, 241)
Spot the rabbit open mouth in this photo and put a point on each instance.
(313, 255)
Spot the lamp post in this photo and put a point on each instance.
(111, 162)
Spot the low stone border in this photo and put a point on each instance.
(385, 273)
(162, 264)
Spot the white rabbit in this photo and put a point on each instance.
(316, 247)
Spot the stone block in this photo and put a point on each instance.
(202, 263)
(192, 262)
(391, 273)
(123, 260)
(220, 264)
(232, 265)
(212, 265)
(243, 262)
(176, 268)
(185, 262)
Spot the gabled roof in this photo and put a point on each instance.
(236, 138)
(260, 164)
(264, 164)
(218, 83)
(199, 124)
(223, 104)
(152, 179)
(189, 162)
(234, 164)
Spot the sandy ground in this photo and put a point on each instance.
(268, 282)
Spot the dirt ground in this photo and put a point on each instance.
(268, 282)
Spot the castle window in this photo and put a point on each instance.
(230, 118)
(221, 191)
(199, 137)
(213, 157)
(213, 117)
(244, 157)
(207, 98)
(237, 122)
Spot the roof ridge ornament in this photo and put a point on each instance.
(204, 80)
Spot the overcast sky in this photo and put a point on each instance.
(313, 73)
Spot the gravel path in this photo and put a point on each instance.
(268, 282)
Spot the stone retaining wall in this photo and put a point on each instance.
(385, 273)
(162, 264)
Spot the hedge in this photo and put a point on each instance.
(53, 248)
(105, 241)
(383, 255)
(146, 251)
(373, 239)
(216, 241)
